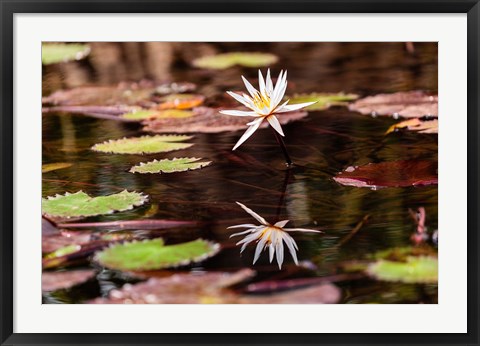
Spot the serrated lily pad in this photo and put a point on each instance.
(170, 166)
(414, 270)
(63, 280)
(143, 145)
(153, 254)
(53, 53)
(80, 204)
(48, 167)
(224, 61)
(156, 114)
(323, 100)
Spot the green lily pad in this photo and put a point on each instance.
(156, 114)
(415, 270)
(48, 167)
(80, 204)
(53, 53)
(144, 144)
(170, 166)
(323, 100)
(224, 61)
(153, 254)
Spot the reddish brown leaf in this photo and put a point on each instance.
(52, 281)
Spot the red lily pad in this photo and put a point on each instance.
(410, 104)
(52, 281)
(390, 174)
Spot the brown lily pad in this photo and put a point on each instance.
(52, 281)
(209, 120)
(410, 104)
(181, 101)
(416, 124)
(390, 174)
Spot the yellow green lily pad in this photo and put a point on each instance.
(226, 60)
(421, 269)
(53, 53)
(144, 144)
(170, 165)
(323, 100)
(154, 254)
(48, 167)
(156, 114)
(80, 204)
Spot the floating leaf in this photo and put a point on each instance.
(52, 281)
(81, 204)
(414, 270)
(62, 52)
(153, 254)
(410, 104)
(390, 174)
(170, 166)
(323, 100)
(48, 167)
(416, 124)
(63, 251)
(156, 114)
(143, 145)
(180, 101)
(224, 61)
(209, 120)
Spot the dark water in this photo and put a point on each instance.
(323, 144)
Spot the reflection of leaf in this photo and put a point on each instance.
(180, 101)
(153, 254)
(223, 61)
(156, 114)
(62, 52)
(410, 104)
(390, 174)
(416, 124)
(62, 280)
(81, 204)
(143, 145)
(414, 270)
(323, 100)
(48, 167)
(181, 164)
(209, 120)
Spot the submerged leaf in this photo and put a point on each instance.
(323, 100)
(81, 204)
(153, 254)
(409, 104)
(226, 60)
(143, 145)
(170, 166)
(390, 174)
(48, 167)
(414, 270)
(180, 101)
(62, 52)
(52, 281)
(156, 114)
(416, 124)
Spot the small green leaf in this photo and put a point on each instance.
(323, 100)
(62, 52)
(156, 114)
(415, 270)
(80, 204)
(153, 254)
(170, 166)
(63, 251)
(48, 167)
(224, 61)
(143, 145)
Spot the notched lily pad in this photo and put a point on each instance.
(417, 125)
(144, 145)
(156, 114)
(153, 254)
(226, 60)
(53, 53)
(409, 104)
(48, 167)
(80, 204)
(181, 164)
(390, 174)
(52, 281)
(413, 270)
(323, 100)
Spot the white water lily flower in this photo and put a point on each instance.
(263, 104)
(269, 236)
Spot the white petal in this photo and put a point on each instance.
(244, 232)
(269, 84)
(258, 250)
(278, 109)
(273, 121)
(247, 134)
(279, 251)
(238, 113)
(289, 241)
(250, 87)
(245, 225)
(281, 224)
(290, 108)
(241, 99)
(254, 214)
(301, 230)
(261, 82)
(259, 119)
(271, 250)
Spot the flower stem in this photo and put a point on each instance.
(280, 142)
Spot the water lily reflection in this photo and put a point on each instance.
(269, 236)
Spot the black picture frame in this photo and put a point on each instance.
(10, 7)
